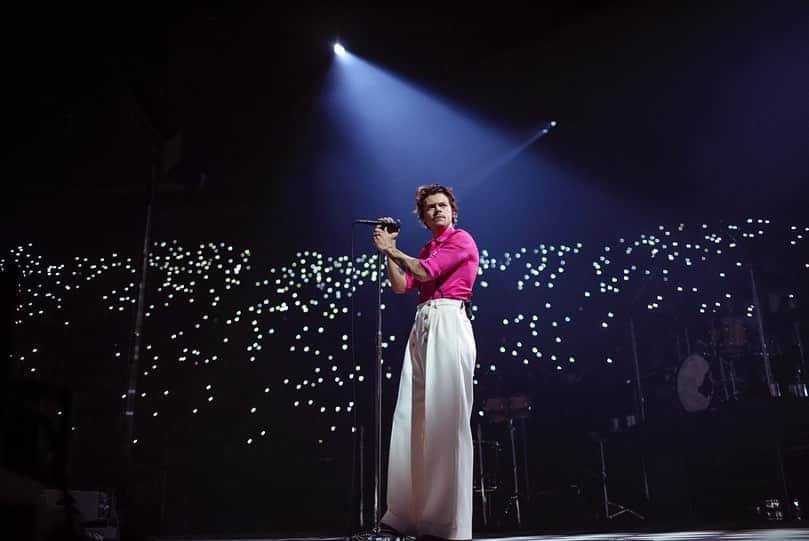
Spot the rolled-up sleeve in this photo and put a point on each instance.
(457, 249)
(411, 283)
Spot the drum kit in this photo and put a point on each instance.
(501, 411)
(731, 363)
(726, 368)
(740, 360)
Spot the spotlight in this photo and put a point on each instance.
(339, 50)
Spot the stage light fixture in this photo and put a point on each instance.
(339, 50)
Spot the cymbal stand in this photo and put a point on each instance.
(772, 387)
(641, 403)
(608, 505)
(718, 360)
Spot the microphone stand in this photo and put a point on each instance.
(376, 532)
(378, 408)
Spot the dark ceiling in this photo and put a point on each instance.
(220, 70)
(75, 65)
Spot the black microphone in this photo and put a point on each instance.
(391, 227)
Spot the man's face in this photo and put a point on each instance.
(438, 212)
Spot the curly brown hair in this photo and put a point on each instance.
(425, 191)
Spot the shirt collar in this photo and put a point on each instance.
(444, 236)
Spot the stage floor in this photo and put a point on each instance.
(770, 534)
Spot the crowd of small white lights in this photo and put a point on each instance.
(318, 288)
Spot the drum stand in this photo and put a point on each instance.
(498, 410)
(521, 407)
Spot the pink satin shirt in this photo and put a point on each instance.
(452, 260)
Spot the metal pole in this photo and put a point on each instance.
(772, 387)
(378, 409)
(134, 363)
(789, 511)
(641, 400)
(483, 502)
(719, 360)
(644, 476)
(514, 471)
(801, 350)
(733, 386)
(641, 404)
(362, 477)
(687, 342)
(527, 484)
(604, 480)
(376, 532)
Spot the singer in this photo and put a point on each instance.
(430, 462)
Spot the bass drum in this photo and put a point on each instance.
(695, 387)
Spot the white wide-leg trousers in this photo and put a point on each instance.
(430, 463)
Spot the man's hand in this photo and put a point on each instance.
(399, 263)
(384, 241)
